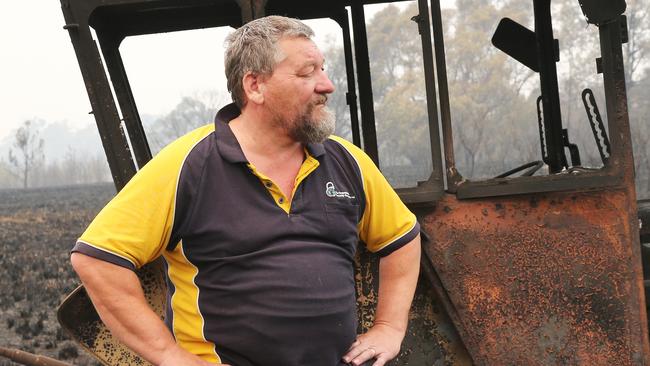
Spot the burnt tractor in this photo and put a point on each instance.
(542, 268)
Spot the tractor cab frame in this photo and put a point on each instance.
(542, 269)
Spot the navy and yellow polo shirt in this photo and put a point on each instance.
(254, 278)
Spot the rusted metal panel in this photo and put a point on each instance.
(431, 337)
(79, 318)
(554, 279)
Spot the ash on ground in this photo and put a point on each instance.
(38, 227)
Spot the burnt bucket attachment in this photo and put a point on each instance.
(78, 317)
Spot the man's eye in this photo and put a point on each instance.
(309, 71)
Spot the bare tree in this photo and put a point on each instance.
(190, 113)
(29, 151)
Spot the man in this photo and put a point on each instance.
(257, 218)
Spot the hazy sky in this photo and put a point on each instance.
(39, 74)
(40, 77)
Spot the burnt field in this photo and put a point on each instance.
(38, 227)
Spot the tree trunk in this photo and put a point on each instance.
(25, 175)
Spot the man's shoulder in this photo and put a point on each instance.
(189, 140)
(335, 144)
(179, 152)
(180, 148)
(338, 143)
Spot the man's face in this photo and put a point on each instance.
(296, 93)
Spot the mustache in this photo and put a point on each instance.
(322, 99)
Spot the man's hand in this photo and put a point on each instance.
(178, 356)
(398, 276)
(381, 343)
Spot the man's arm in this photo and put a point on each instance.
(118, 297)
(398, 276)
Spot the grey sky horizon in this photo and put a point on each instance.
(41, 80)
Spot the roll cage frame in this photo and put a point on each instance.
(125, 142)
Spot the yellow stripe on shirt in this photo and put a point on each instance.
(188, 322)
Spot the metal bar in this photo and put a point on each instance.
(615, 90)
(113, 139)
(110, 48)
(430, 86)
(549, 86)
(622, 156)
(369, 128)
(597, 126)
(428, 271)
(259, 8)
(351, 96)
(29, 359)
(246, 10)
(453, 177)
(603, 178)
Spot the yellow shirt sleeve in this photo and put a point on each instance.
(386, 221)
(136, 225)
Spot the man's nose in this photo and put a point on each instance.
(324, 85)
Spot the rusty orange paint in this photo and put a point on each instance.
(554, 279)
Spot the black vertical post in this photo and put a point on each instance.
(351, 95)
(443, 94)
(103, 105)
(615, 90)
(549, 85)
(365, 85)
(430, 85)
(110, 48)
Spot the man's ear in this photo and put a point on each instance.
(253, 87)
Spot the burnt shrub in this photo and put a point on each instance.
(67, 351)
(40, 228)
(17, 296)
(23, 329)
(60, 334)
(50, 344)
(26, 313)
(37, 327)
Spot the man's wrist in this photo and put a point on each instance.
(173, 352)
(388, 326)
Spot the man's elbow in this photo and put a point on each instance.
(82, 264)
(78, 261)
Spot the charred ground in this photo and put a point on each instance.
(38, 227)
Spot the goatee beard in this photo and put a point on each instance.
(312, 129)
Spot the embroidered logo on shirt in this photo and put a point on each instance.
(331, 191)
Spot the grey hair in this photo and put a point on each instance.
(253, 48)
